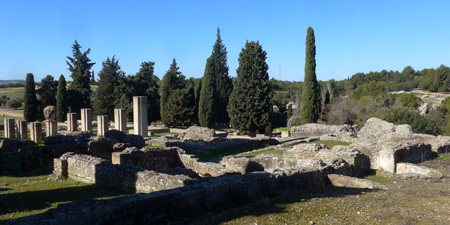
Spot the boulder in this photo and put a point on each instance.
(379, 129)
(421, 171)
(50, 112)
(101, 147)
(199, 133)
(351, 182)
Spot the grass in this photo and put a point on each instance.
(163, 134)
(25, 196)
(329, 143)
(13, 93)
(225, 152)
(270, 151)
(379, 179)
(283, 129)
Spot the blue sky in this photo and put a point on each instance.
(351, 36)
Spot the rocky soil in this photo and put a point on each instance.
(408, 200)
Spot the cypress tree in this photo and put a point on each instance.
(80, 89)
(46, 94)
(61, 100)
(197, 90)
(172, 80)
(104, 102)
(223, 82)
(310, 110)
(30, 108)
(250, 105)
(207, 111)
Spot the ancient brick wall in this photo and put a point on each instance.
(157, 159)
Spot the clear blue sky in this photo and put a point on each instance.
(351, 36)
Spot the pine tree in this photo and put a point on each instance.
(61, 100)
(80, 90)
(172, 80)
(207, 110)
(310, 110)
(250, 101)
(30, 107)
(146, 84)
(224, 85)
(47, 91)
(179, 111)
(104, 101)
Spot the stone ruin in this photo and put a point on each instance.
(171, 184)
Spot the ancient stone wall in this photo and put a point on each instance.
(178, 204)
(156, 159)
(130, 178)
(314, 129)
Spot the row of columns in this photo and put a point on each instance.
(140, 122)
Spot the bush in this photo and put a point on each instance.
(15, 103)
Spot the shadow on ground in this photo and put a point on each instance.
(276, 205)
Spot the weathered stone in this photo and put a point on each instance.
(136, 141)
(120, 120)
(285, 134)
(199, 133)
(140, 118)
(10, 129)
(36, 132)
(421, 171)
(86, 119)
(10, 144)
(119, 137)
(51, 128)
(72, 124)
(240, 165)
(102, 125)
(352, 182)
(314, 129)
(22, 130)
(50, 112)
(101, 147)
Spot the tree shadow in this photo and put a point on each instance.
(38, 200)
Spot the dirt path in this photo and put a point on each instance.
(11, 112)
(412, 201)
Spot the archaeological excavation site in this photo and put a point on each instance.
(168, 183)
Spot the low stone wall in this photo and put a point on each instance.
(156, 159)
(178, 204)
(314, 129)
(130, 178)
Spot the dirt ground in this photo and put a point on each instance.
(407, 201)
(11, 112)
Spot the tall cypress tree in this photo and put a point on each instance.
(250, 101)
(104, 102)
(79, 66)
(311, 103)
(223, 82)
(61, 100)
(30, 108)
(172, 80)
(207, 109)
(146, 84)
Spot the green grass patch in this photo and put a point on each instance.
(225, 152)
(163, 134)
(270, 151)
(329, 143)
(283, 129)
(25, 196)
(13, 93)
(379, 179)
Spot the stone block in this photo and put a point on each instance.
(102, 125)
(140, 119)
(351, 182)
(10, 131)
(22, 130)
(422, 171)
(72, 124)
(86, 119)
(120, 120)
(51, 128)
(36, 132)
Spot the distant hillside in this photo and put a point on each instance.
(12, 81)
